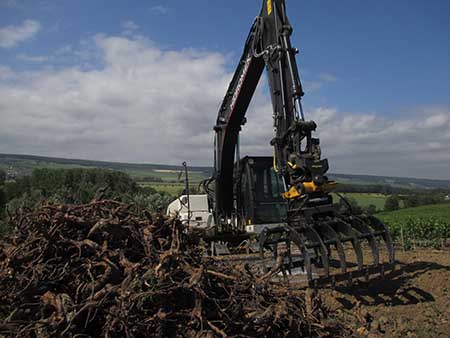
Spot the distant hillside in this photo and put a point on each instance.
(20, 165)
(397, 182)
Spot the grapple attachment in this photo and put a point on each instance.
(309, 245)
(315, 225)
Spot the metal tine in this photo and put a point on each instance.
(362, 227)
(270, 238)
(315, 238)
(347, 230)
(289, 255)
(380, 226)
(330, 235)
(299, 240)
(262, 241)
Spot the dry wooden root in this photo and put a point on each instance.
(98, 270)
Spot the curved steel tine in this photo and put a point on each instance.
(275, 251)
(347, 230)
(262, 242)
(314, 237)
(298, 239)
(289, 254)
(362, 227)
(380, 226)
(331, 235)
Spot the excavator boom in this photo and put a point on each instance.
(313, 223)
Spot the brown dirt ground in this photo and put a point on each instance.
(413, 301)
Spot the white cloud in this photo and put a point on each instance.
(32, 58)
(151, 105)
(144, 105)
(326, 77)
(11, 36)
(436, 120)
(159, 9)
(9, 3)
(129, 25)
(317, 83)
(6, 73)
(370, 144)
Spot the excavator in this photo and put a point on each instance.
(284, 200)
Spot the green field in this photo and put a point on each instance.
(171, 188)
(364, 200)
(429, 223)
(439, 212)
(20, 165)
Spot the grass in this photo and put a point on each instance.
(427, 224)
(436, 211)
(364, 199)
(171, 188)
(24, 164)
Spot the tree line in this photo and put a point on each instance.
(79, 185)
(75, 186)
(388, 190)
(395, 202)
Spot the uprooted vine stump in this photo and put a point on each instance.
(99, 270)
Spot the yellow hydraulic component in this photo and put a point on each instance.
(269, 7)
(275, 161)
(291, 193)
(309, 187)
(293, 166)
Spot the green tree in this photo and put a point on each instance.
(411, 201)
(2, 193)
(2, 177)
(2, 201)
(349, 204)
(371, 209)
(392, 203)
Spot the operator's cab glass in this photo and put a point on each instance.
(269, 207)
(259, 192)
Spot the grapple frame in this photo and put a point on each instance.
(315, 239)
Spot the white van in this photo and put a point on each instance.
(201, 215)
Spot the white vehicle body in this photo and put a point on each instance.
(200, 214)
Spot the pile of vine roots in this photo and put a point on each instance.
(98, 270)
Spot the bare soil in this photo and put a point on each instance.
(413, 301)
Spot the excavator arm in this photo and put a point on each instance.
(267, 46)
(230, 118)
(314, 224)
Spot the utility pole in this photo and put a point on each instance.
(186, 182)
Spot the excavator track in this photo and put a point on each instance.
(320, 248)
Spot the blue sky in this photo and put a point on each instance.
(379, 62)
(388, 55)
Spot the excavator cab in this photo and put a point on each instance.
(259, 195)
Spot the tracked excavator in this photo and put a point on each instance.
(284, 201)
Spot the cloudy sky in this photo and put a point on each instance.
(142, 80)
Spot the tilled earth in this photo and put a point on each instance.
(414, 301)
